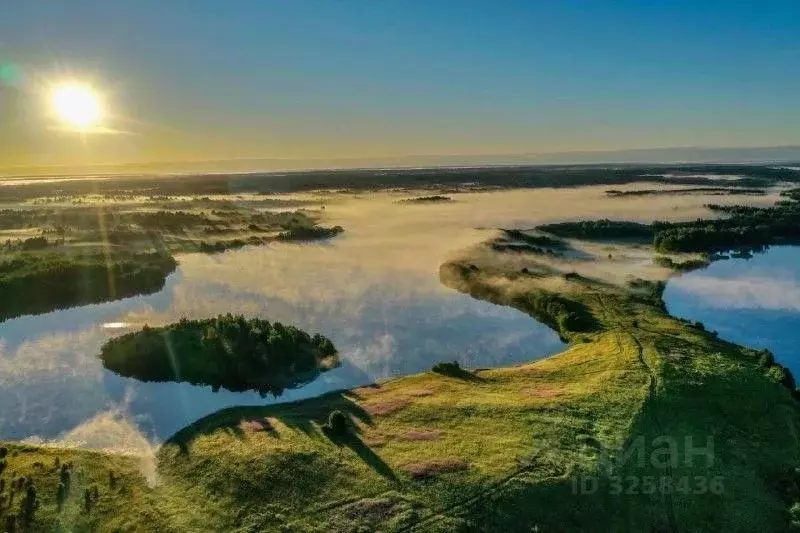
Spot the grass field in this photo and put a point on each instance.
(539, 447)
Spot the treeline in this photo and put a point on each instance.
(434, 199)
(517, 247)
(600, 229)
(714, 191)
(683, 266)
(128, 224)
(16, 218)
(43, 282)
(26, 245)
(745, 226)
(309, 233)
(517, 241)
(171, 221)
(535, 240)
(649, 291)
(563, 315)
(424, 178)
(228, 351)
(566, 317)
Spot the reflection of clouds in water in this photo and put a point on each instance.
(68, 354)
(374, 291)
(372, 355)
(50, 383)
(416, 325)
(742, 293)
(110, 431)
(754, 302)
(392, 325)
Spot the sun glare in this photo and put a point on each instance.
(78, 106)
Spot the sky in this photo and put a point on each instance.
(189, 80)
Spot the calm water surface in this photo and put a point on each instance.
(754, 302)
(385, 321)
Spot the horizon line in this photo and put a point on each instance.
(394, 162)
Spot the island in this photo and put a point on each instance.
(232, 352)
(433, 199)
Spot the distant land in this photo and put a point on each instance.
(675, 155)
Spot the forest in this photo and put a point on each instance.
(740, 227)
(433, 178)
(744, 226)
(32, 283)
(228, 351)
(600, 229)
(308, 233)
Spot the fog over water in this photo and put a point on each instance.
(374, 291)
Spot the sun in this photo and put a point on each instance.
(77, 105)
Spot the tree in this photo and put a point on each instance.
(338, 423)
(29, 504)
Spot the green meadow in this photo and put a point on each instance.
(645, 423)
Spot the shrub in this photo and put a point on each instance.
(338, 423)
(65, 476)
(29, 504)
(782, 375)
(765, 358)
(87, 500)
(447, 368)
(61, 495)
(794, 515)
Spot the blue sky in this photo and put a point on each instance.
(302, 79)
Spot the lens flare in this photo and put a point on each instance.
(78, 106)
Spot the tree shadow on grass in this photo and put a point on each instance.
(364, 452)
(305, 416)
(352, 393)
(454, 370)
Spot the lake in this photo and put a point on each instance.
(374, 291)
(754, 302)
(385, 320)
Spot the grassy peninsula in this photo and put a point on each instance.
(227, 351)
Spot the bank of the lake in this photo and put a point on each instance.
(497, 450)
(752, 301)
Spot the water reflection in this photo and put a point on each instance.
(754, 302)
(385, 322)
